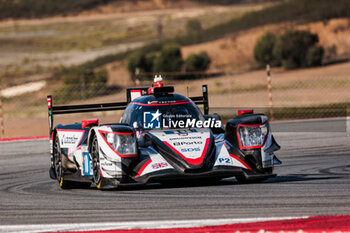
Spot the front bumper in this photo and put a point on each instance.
(216, 172)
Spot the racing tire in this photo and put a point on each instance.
(59, 169)
(96, 169)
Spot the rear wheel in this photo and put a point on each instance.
(96, 171)
(59, 169)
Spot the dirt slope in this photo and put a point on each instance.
(234, 53)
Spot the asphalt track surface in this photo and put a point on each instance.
(314, 179)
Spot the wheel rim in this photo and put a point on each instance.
(95, 162)
(57, 160)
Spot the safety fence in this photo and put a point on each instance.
(293, 95)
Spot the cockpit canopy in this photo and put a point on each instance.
(150, 112)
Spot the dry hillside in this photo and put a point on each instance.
(234, 53)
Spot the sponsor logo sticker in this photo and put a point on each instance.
(69, 139)
(186, 150)
(225, 160)
(159, 165)
(151, 120)
(187, 143)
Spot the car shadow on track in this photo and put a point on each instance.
(229, 181)
(224, 182)
(172, 184)
(300, 177)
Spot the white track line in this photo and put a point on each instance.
(134, 225)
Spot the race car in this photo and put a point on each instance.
(161, 137)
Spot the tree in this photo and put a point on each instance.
(150, 59)
(263, 50)
(170, 59)
(292, 49)
(197, 62)
(314, 56)
(137, 60)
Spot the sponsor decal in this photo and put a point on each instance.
(151, 120)
(186, 150)
(87, 164)
(162, 102)
(157, 120)
(191, 123)
(108, 164)
(51, 146)
(135, 93)
(73, 139)
(225, 160)
(187, 143)
(182, 132)
(186, 138)
(159, 165)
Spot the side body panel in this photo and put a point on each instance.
(113, 165)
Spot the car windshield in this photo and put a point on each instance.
(159, 116)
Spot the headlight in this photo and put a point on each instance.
(123, 144)
(253, 136)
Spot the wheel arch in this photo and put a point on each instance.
(91, 136)
(52, 138)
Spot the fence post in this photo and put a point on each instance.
(269, 88)
(2, 128)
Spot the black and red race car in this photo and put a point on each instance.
(161, 137)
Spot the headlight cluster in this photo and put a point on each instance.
(123, 144)
(253, 135)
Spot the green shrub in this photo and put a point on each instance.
(136, 60)
(169, 60)
(150, 59)
(85, 76)
(314, 56)
(147, 64)
(292, 47)
(101, 76)
(197, 62)
(263, 50)
(193, 26)
(82, 84)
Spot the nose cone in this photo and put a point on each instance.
(189, 148)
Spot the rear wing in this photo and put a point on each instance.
(202, 100)
(131, 94)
